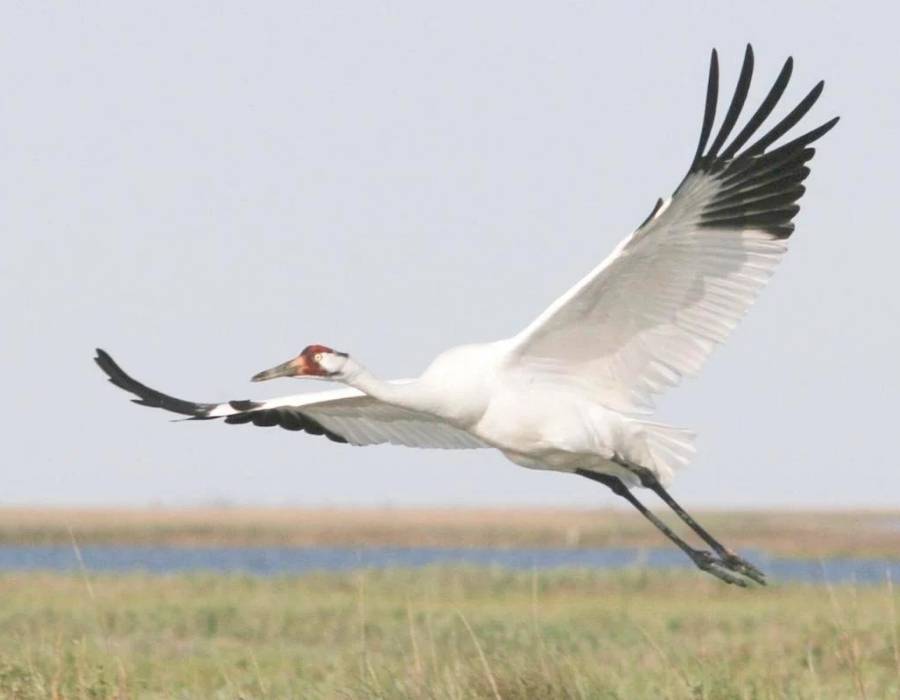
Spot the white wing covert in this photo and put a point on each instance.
(653, 311)
(341, 415)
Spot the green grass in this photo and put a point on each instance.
(443, 633)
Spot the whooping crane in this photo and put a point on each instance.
(572, 391)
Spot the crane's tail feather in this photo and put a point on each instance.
(669, 448)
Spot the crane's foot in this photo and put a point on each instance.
(733, 562)
(708, 562)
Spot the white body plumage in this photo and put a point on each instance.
(573, 390)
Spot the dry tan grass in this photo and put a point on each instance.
(811, 533)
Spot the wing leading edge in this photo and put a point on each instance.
(341, 415)
(653, 311)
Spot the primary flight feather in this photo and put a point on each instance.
(572, 391)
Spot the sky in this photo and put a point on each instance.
(203, 189)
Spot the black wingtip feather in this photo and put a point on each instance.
(656, 208)
(709, 111)
(759, 188)
(782, 127)
(801, 142)
(287, 419)
(146, 395)
(763, 111)
(244, 405)
(250, 410)
(737, 103)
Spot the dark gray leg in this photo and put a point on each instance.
(729, 559)
(704, 561)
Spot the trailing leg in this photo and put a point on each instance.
(729, 559)
(702, 559)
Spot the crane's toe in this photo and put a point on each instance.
(711, 564)
(741, 566)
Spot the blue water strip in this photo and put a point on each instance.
(269, 561)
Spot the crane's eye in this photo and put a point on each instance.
(319, 357)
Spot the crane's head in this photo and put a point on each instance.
(315, 361)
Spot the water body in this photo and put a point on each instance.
(268, 561)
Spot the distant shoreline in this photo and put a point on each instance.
(797, 533)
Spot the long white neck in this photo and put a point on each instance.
(405, 394)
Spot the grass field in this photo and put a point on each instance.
(443, 633)
(440, 633)
(802, 533)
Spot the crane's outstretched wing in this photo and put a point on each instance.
(668, 294)
(341, 415)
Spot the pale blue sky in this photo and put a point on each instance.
(204, 189)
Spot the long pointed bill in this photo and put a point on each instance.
(291, 368)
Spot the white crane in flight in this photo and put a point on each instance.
(572, 391)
